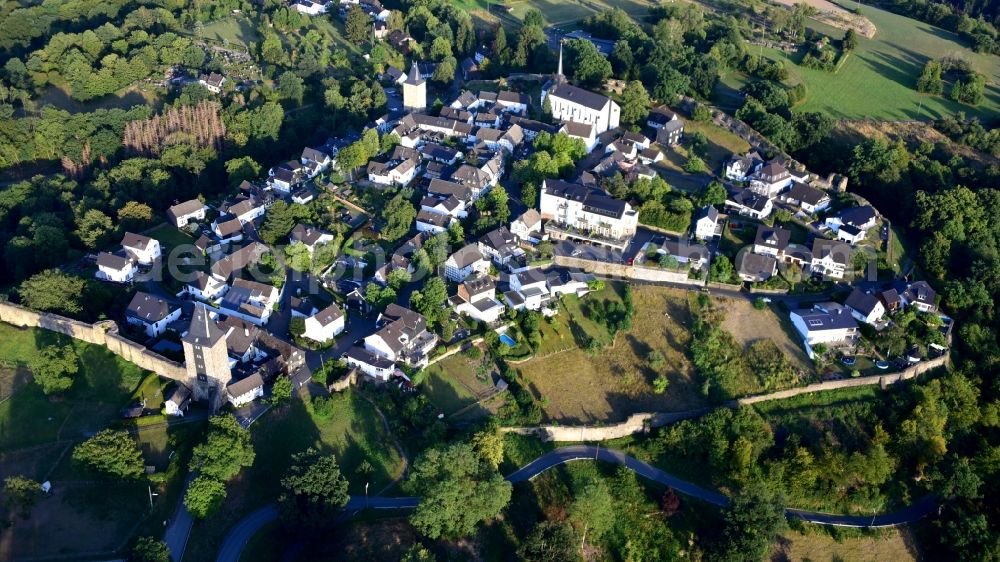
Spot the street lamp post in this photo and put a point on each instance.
(366, 495)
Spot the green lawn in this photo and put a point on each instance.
(558, 332)
(722, 144)
(234, 30)
(452, 383)
(104, 385)
(878, 79)
(569, 11)
(353, 433)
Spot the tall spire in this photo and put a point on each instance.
(559, 73)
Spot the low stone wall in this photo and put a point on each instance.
(104, 333)
(640, 273)
(344, 382)
(643, 422)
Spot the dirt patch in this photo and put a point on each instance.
(747, 325)
(835, 16)
(577, 388)
(890, 544)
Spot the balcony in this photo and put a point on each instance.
(564, 231)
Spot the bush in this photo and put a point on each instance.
(472, 352)
(759, 303)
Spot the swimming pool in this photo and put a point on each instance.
(507, 340)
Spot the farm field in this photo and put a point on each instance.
(877, 80)
(578, 388)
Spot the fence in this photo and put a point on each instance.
(643, 422)
(104, 333)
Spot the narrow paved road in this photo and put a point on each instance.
(238, 537)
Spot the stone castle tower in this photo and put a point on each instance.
(206, 358)
(414, 90)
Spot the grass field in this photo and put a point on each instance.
(615, 383)
(234, 30)
(878, 79)
(555, 12)
(747, 325)
(103, 385)
(890, 544)
(722, 144)
(36, 438)
(452, 384)
(59, 96)
(353, 433)
(561, 332)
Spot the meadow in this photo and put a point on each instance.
(878, 79)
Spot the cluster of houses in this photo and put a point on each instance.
(835, 325)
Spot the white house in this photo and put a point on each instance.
(865, 307)
(771, 240)
(309, 236)
(755, 267)
(464, 262)
(403, 336)
(178, 401)
(706, 226)
(742, 167)
(245, 390)
(115, 268)
(583, 131)
(205, 287)
(141, 249)
(528, 226)
(500, 245)
(325, 324)
(370, 363)
(319, 160)
(852, 225)
(309, 7)
(586, 211)
(250, 300)
(241, 340)
(770, 180)
(282, 179)
(476, 297)
(227, 228)
(399, 172)
(245, 209)
(829, 258)
(181, 214)
(429, 221)
(750, 204)
(529, 290)
(808, 198)
(515, 102)
(569, 283)
(151, 313)
(826, 323)
(212, 82)
(919, 295)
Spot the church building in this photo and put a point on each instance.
(569, 103)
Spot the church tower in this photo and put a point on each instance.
(206, 357)
(414, 90)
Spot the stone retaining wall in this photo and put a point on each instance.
(643, 422)
(640, 273)
(104, 333)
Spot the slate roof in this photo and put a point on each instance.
(835, 249)
(243, 386)
(861, 301)
(329, 315)
(148, 308)
(112, 261)
(202, 330)
(466, 256)
(593, 200)
(805, 193)
(772, 237)
(132, 240)
(583, 97)
(826, 317)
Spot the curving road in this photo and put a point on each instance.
(239, 535)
